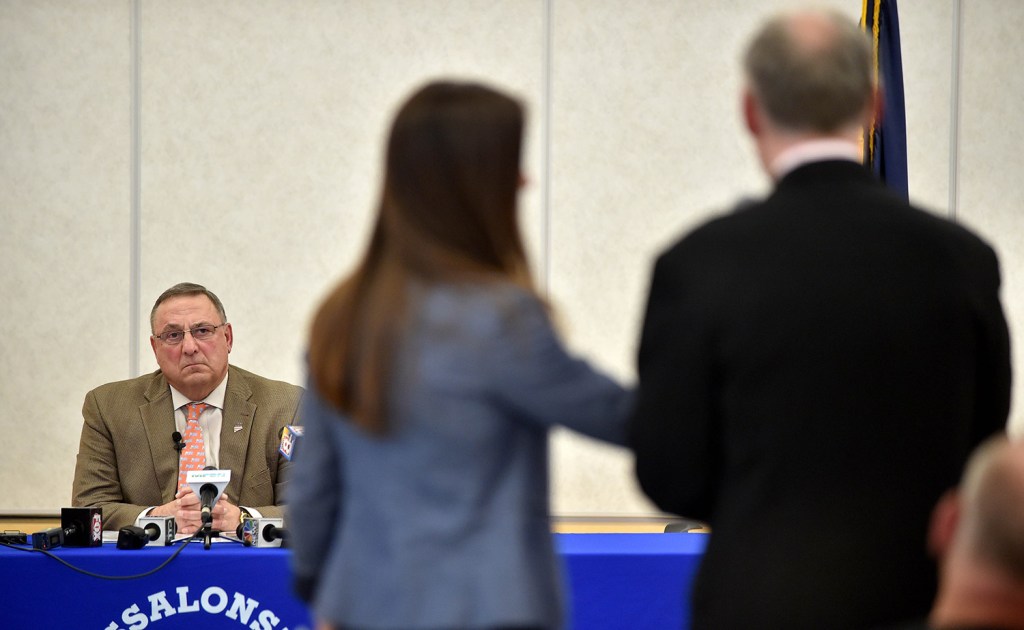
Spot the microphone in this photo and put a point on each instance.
(272, 533)
(261, 532)
(132, 537)
(290, 436)
(208, 484)
(208, 495)
(160, 530)
(48, 538)
(179, 444)
(83, 527)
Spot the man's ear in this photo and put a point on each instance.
(874, 109)
(945, 519)
(751, 112)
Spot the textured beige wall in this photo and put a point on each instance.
(261, 124)
(64, 232)
(990, 188)
(262, 130)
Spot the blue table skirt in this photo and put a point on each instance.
(633, 581)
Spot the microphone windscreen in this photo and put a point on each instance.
(131, 537)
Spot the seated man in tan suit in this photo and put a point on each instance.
(135, 431)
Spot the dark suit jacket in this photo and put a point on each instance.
(814, 370)
(126, 457)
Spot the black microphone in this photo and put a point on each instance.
(159, 530)
(48, 538)
(179, 444)
(83, 527)
(135, 537)
(271, 533)
(131, 537)
(207, 495)
(153, 531)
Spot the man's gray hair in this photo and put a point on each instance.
(992, 496)
(186, 288)
(811, 71)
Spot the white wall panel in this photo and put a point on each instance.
(991, 182)
(260, 137)
(926, 32)
(263, 125)
(64, 163)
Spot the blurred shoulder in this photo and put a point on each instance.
(479, 307)
(713, 236)
(959, 233)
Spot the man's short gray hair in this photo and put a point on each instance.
(811, 71)
(992, 496)
(186, 288)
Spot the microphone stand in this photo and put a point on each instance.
(208, 534)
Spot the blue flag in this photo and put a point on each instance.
(885, 141)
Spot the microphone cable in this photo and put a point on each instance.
(114, 577)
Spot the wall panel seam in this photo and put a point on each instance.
(135, 221)
(546, 154)
(956, 63)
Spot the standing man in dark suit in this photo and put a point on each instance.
(816, 367)
(127, 460)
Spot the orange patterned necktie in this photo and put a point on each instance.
(193, 456)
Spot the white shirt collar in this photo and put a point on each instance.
(814, 151)
(214, 399)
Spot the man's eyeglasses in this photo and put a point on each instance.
(201, 332)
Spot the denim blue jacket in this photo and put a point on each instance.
(444, 521)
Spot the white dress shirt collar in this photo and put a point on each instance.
(814, 151)
(214, 399)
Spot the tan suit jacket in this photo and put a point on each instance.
(126, 457)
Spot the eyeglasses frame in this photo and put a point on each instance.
(189, 331)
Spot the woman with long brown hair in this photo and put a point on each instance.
(420, 492)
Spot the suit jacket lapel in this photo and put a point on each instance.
(234, 432)
(158, 419)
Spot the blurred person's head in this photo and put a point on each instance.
(808, 75)
(452, 171)
(447, 213)
(977, 533)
